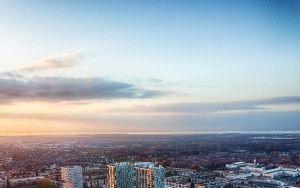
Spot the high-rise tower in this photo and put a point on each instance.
(138, 175)
(148, 175)
(120, 175)
(72, 176)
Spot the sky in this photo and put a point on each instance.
(149, 66)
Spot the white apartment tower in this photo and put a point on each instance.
(72, 177)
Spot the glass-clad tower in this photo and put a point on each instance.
(159, 177)
(137, 175)
(149, 176)
(120, 175)
(124, 175)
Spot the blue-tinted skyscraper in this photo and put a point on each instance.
(120, 175)
(138, 175)
(148, 175)
(159, 177)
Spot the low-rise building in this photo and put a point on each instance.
(25, 181)
(282, 172)
(178, 182)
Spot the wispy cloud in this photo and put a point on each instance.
(55, 62)
(17, 88)
(200, 107)
(155, 80)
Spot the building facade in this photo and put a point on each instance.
(72, 176)
(120, 175)
(148, 175)
(111, 176)
(138, 175)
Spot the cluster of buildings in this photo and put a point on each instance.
(190, 161)
(139, 175)
(254, 169)
(178, 182)
(149, 175)
(242, 174)
(120, 175)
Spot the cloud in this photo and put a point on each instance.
(10, 75)
(200, 107)
(59, 89)
(155, 80)
(56, 62)
(17, 86)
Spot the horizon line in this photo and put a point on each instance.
(12, 134)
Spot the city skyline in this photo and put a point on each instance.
(149, 67)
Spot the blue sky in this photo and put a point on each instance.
(159, 52)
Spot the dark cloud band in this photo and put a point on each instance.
(17, 88)
(200, 107)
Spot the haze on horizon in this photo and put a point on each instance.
(149, 66)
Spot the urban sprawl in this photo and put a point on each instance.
(150, 161)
